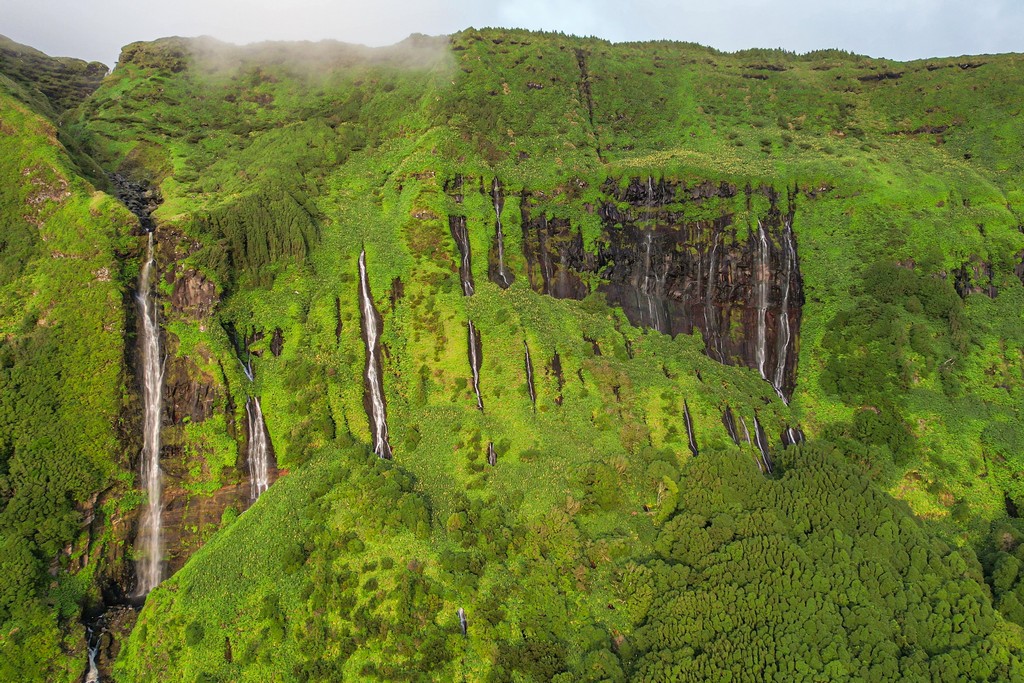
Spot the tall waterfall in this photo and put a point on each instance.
(259, 449)
(148, 543)
(762, 278)
(373, 399)
(475, 353)
(785, 336)
(500, 274)
(650, 287)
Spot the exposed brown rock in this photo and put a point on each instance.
(193, 296)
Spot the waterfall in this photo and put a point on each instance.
(475, 353)
(500, 275)
(259, 449)
(148, 543)
(529, 376)
(782, 344)
(710, 314)
(792, 436)
(762, 276)
(462, 620)
(373, 398)
(730, 425)
(651, 288)
(247, 369)
(762, 445)
(93, 673)
(457, 226)
(689, 428)
(492, 455)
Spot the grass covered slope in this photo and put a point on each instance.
(336, 575)
(61, 351)
(598, 547)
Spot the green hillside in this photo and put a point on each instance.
(840, 232)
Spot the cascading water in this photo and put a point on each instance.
(783, 342)
(762, 278)
(649, 287)
(148, 544)
(792, 436)
(475, 353)
(761, 440)
(373, 399)
(247, 369)
(457, 226)
(710, 312)
(492, 455)
(259, 449)
(730, 425)
(499, 272)
(92, 675)
(529, 376)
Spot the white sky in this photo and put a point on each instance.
(896, 29)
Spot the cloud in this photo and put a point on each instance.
(898, 29)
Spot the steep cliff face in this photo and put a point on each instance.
(674, 274)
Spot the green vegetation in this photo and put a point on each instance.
(597, 548)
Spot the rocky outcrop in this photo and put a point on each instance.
(555, 258)
(190, 519)
(141, 199)
(193, 295)
(188, 393)
(743, 292)
(112, 629)
(975, 277)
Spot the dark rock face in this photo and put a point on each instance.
(193, 296)
(744, 294)
(187, 392)
(975, 277)
(555, 258)
(730, 425)
(692, 440)
(189, 520)
(475, 354)
(555, 368)
(139, 198)
(792, 436)
(530, 388)
(112, 630)
(277, 342)
(457, 226)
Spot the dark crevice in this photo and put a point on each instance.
(587, 97)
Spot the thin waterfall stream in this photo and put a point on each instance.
(785, 336)
(762, 278)
(499, 272)
(259, 455)
(373, 398)
(149, 543)
(475, 357)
